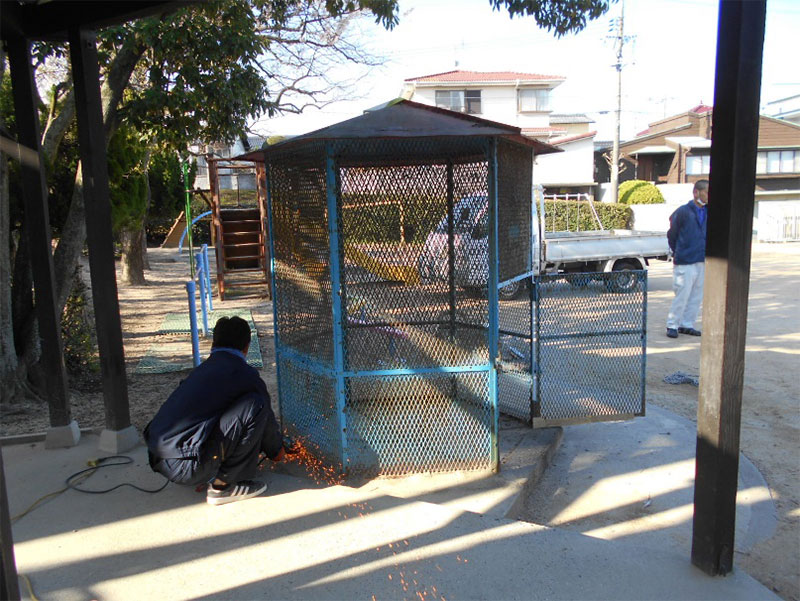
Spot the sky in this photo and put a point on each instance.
(668, 65)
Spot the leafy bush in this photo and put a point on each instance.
(639, 192)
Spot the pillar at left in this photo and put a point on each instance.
(64, 431)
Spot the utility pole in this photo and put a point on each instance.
(619, 42)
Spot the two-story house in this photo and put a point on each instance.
(677, 150)
(525, 101)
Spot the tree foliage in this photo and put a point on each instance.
(557, 16)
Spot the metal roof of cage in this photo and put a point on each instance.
(406, 119)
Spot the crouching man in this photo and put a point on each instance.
(213, 427)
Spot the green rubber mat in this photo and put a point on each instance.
(178, 323)
(175, 354)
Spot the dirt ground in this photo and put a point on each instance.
(770, 409)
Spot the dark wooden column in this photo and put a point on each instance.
(9, 589)
(86, 79)
(740, 41)
(37, 229)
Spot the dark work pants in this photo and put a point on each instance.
(230, 453)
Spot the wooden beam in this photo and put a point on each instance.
(86, 79)
(740, 41)
(37, 230)
(9, 589)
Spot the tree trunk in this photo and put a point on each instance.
(132, 261)
(145, 258)
(10, 388)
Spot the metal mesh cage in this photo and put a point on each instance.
(381, 310)
(513, 210)
(591, 343)
(302, 263)
(431, 422)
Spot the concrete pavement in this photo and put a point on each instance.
(445, 537)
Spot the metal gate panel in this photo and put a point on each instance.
(590, 347)
(426, 422)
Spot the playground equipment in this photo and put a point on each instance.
(381, 373)
(201, 279)
(239, 231)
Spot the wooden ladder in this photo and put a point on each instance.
(241, 240)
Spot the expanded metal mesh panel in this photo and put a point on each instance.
(308, 410)
(514, 381)
(302, 261)
(433, 422)
(413, 267)
(590, 345)
(394, 224)
(514, 173)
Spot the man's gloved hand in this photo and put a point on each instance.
(280, 456)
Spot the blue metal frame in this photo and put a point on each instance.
(279, 348)
(309, 363)
(190, 291)
(186, 229)
(643, 279)
(417, 371)
(494, 301)
(516, 278)
(336, 293)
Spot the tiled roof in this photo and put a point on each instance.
(570, 118)
(530, 131)
(701, 109)
(573, 138)
(484, 76)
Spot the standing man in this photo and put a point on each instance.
(687, 239)
(213, 427)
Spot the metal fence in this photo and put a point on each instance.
(381, 371)
(395, 353)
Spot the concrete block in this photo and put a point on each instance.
(63, 436)
(118, 441)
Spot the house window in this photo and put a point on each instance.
(778, 161)
(698, 164)
(533, 100)
(462, 101)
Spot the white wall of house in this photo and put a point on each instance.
(498, 103)
(574, 165)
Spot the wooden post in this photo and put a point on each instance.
(91, 137)
(740, 41)
(37, 228)
(9, 587)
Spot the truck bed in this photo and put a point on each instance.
(569, 247)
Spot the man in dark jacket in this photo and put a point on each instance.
(687, 239)
(213, 427)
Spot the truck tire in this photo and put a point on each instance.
(621, 280)
(511, 291)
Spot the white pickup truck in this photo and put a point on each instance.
(561, 252)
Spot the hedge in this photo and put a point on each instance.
(573, 215)
(639, 192)
(367, 219)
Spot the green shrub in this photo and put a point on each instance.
(574, 215)
(639, 192)
(376, 217)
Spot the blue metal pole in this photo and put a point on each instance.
(494, 303)
(186, 230)
(209, 292)
(202, 280)
(275, 292)
(190, 291)
(337, 291)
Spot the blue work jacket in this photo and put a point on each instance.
(185, 421)
(687, 234)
